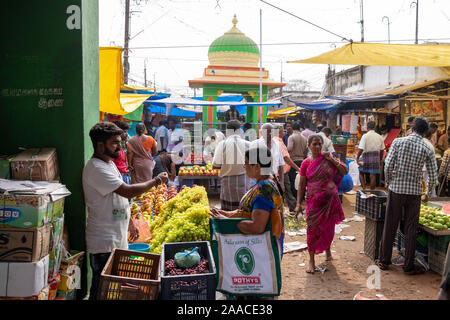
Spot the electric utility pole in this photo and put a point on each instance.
(417, 21)
(126, 65)
(145, 72)
(362, 19)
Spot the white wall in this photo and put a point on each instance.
(376, 77)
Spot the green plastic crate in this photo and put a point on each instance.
(439, 243)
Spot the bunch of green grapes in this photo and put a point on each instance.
(183, 218)
(183, 227)
(180, 203)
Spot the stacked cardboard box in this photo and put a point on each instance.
(31, 227)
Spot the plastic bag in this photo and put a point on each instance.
(346, 184)
(144, 230)
(187, 259)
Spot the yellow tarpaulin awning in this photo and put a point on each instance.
(131, 101)
(111, 80)
(379, 54)
(290, 111)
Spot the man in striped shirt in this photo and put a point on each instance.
(403, 171)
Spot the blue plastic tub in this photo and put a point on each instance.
(141, 247)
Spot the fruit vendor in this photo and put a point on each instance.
(403, 172)
(164, 163)
(229, 158)
(106, 196)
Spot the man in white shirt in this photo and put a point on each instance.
(267, 141)
(327, 144)
(106, 197)
(162, 136)
(371, 148)
(229, 157)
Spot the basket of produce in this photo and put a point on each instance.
(187, 271)
(434, 221)
(197, 170)
(371, 203)
(130, 275)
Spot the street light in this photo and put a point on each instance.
(388, 23)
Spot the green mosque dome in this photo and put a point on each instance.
(234, 48)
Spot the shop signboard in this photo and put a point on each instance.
(433, 110)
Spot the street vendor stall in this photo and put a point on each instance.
(172, 258)
(203, 175)
(435, 221)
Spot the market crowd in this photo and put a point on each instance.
(293, 165)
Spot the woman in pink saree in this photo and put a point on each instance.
(320, 176)
(140, 152)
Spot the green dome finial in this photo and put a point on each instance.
(235, 21)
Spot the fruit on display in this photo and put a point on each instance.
(194, 158)
(196, 170)
(150, 202)
(172, 192)
(160, 198)
(183, 218)
(434, 218)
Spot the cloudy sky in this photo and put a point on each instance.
(164, 31)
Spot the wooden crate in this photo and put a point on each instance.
(130, 275)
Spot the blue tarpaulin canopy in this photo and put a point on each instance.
(359, 101)
(177, 112)
(195, 105)
(324, 104)
(242, 110)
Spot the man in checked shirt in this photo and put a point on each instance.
(403, 172)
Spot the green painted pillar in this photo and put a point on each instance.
(209, 113)
(49, 91)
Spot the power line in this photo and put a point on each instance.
(279, 44)
(344, 38)
(193, 60)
